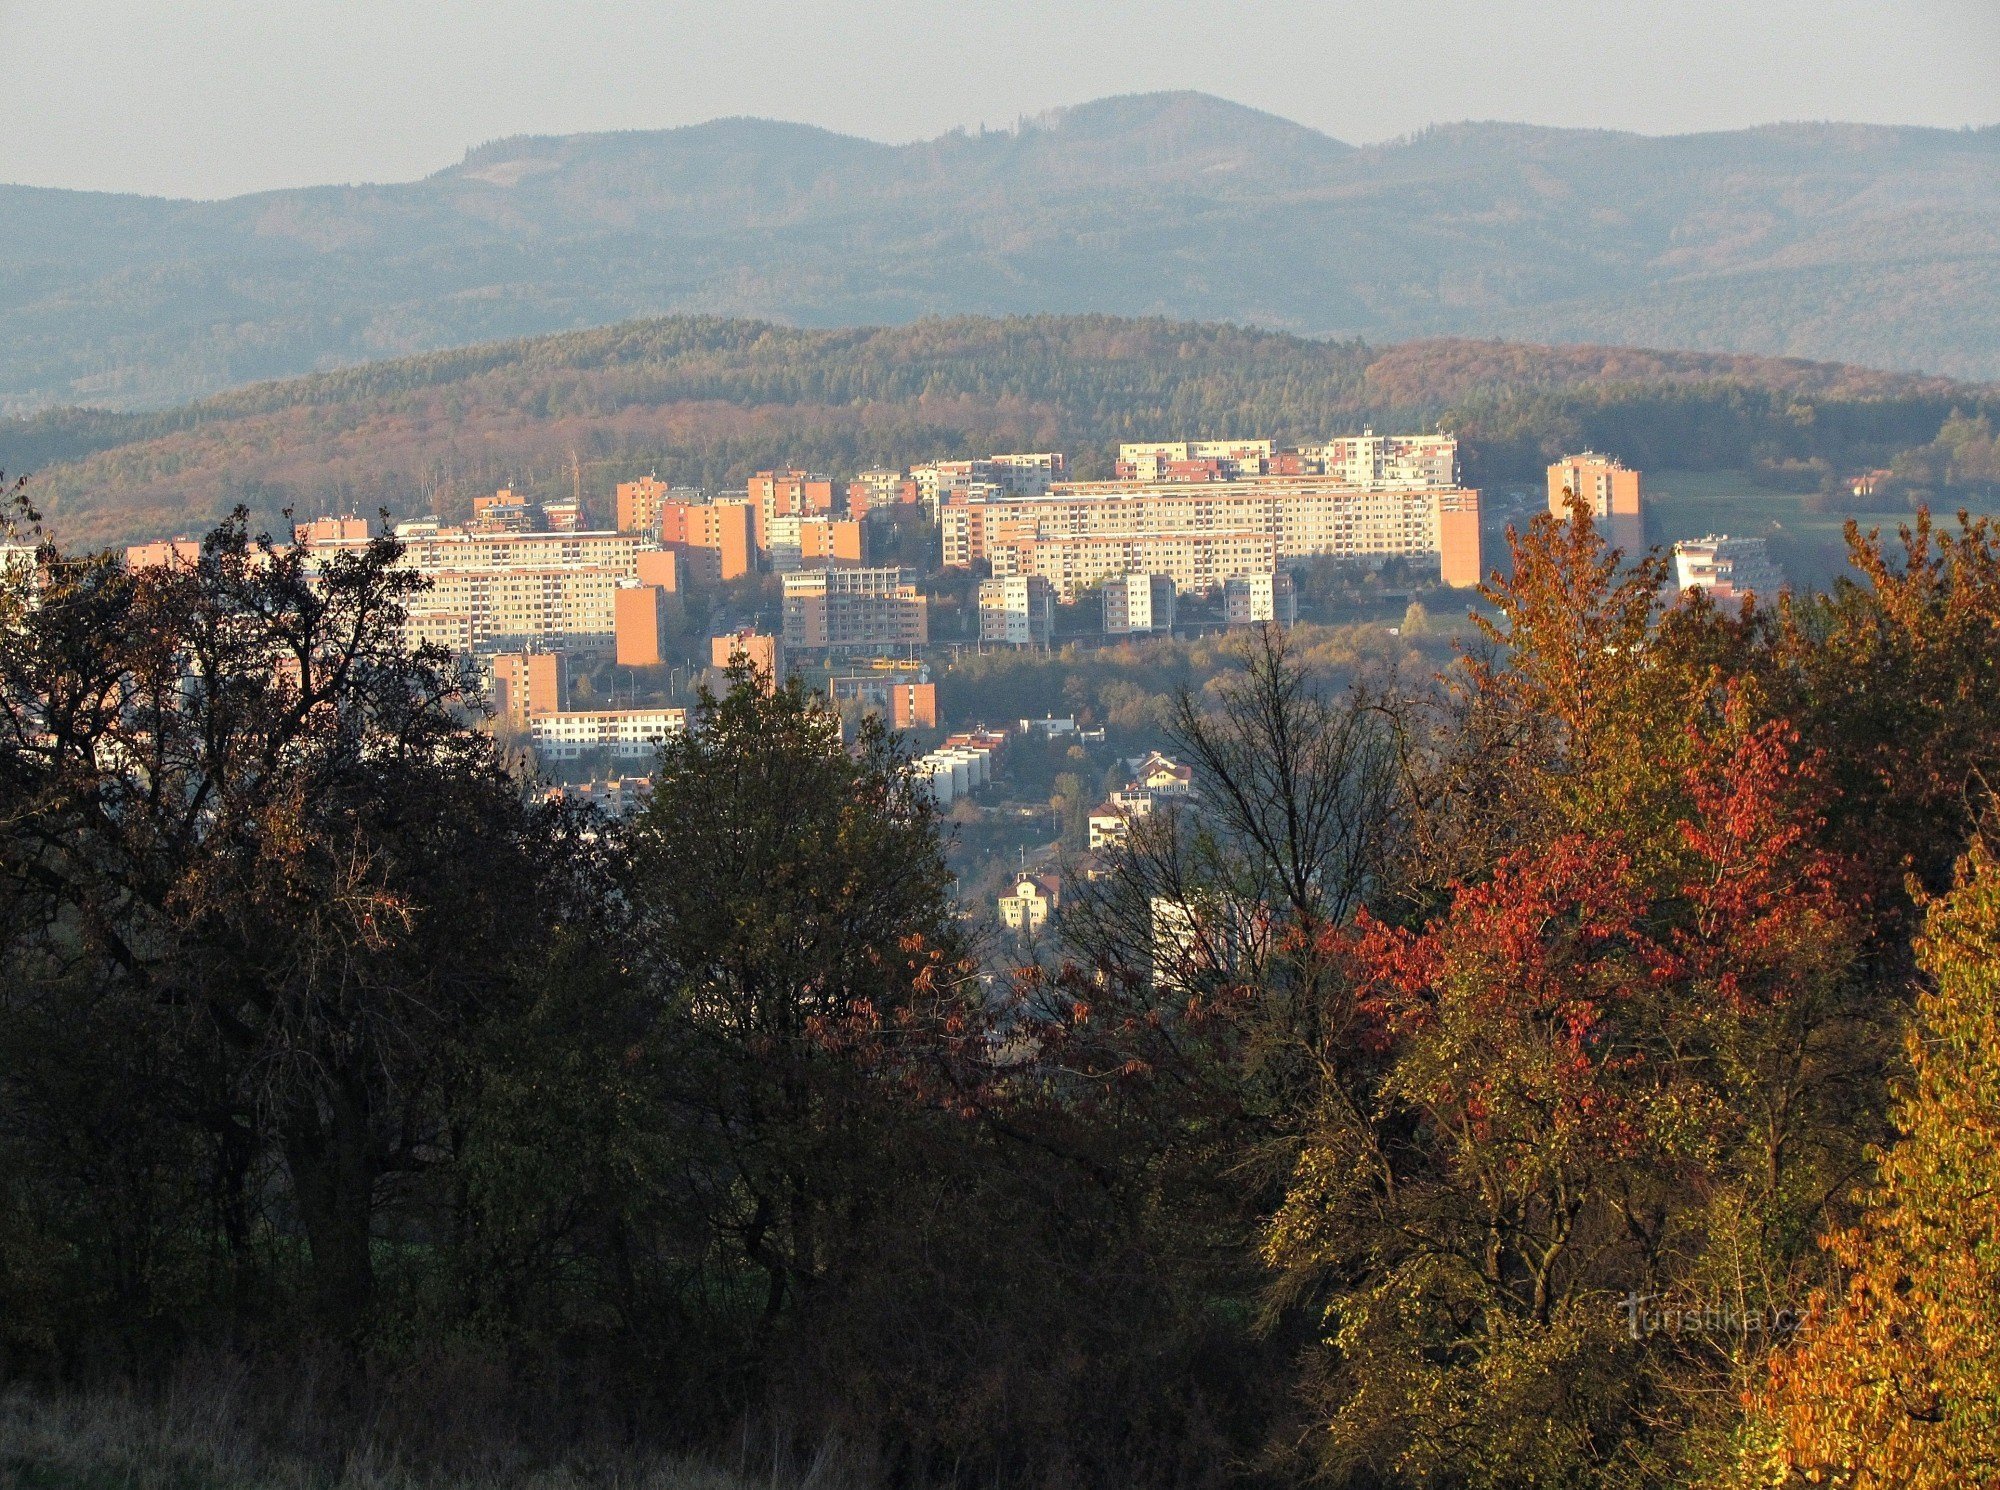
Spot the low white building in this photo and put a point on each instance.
(1050, 726)
(631, 734)
(955, 770)
(17, 568)
(1728, 568)
(1202, 937)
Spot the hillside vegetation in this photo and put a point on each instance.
(1877, 245)
(1575, 1067)
(707, 400)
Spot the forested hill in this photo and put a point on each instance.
(708, 401)
(1876, 245)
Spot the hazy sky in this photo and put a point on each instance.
(213, 97)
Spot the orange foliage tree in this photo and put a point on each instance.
(1616, 1065)
(1897, 1380)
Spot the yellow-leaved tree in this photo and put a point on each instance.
(1896, 1381)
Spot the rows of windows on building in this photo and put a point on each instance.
(1217, 519)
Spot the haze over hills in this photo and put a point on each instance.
(708, 400)
(1856, 243)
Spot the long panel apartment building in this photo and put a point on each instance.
(1196, 562)
(627, 734)
(491, 591)
(1200, 511)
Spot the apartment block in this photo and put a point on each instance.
(765, 653)
(1460, 561)
(905, 702)
(1136, 604)
(641, 617)
(913, 706)
(505, 511)
(775, 494)
(865, 609)
(527, 685)
(879, 490)
(1031, 472)
(826, 540)
(968, 529)
(1195, 562)
(1017, 610)
(661, 568)
(163, 552)
(624, 734)
(1612, 490)
(1193, 460)
(716, 541)
(1260, 599)
(812, 542)
(501, 591)
(1372, 460)
(953, 771)
(1018, 475)
(638, 503)
(1201, 938)
(332, 532)
(1302, 515)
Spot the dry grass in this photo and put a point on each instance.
(195, 1437)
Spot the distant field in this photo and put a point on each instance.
(1809, 545)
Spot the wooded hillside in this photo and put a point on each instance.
(708, 400)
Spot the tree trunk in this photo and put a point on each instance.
(329, 1153)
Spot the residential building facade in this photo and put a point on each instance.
(641, 617)
(763, 652)
(854, 610)
(623, 734)
(716, 541)
(1018, 610)
(527, 685)
(913, 706)
(1196, 563)
(1031, 903)
(1728, 568)
(1612, 491)
(504, 591)
(1260, 599)
(1138, 604)
(1301, 516)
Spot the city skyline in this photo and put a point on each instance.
(366, 91)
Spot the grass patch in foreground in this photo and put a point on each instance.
(112, 1442)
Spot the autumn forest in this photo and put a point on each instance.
(1576, 1067)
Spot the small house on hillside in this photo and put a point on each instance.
(1032, 901)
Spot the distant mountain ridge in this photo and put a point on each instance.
(1855, 243)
